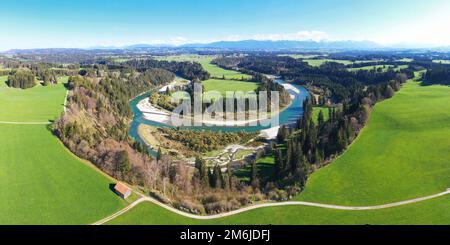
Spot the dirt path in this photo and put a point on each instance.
(274, 204)
(132, 205)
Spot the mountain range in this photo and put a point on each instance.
(243, 45)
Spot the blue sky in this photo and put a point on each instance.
(64, 23)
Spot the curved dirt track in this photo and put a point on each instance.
(274, 204)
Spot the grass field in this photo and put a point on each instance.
(300, 56)
(319, 62)
(383, 67)
(401, 154)
(442, 61)
(38, 104)
(405, 60)
(217, 72)
(42, 182)
(223, 86)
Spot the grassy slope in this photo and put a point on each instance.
(42, 182)
(402, 154)
(319, 62)
(442, 61)
(30, 105)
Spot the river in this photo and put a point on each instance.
(287, 116)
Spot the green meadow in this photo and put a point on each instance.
(217, 72)
(319, 62)
(384, 68)
(223, 86)
(401, 154)
(38, 104)
(447, 62)
(43, 182)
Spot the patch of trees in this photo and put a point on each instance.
(47, 77)
(268, 85)
(438, 75)
(22, 79)
(162, 100)
(204, 141)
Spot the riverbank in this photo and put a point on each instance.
(153, 114)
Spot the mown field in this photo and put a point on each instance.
(384, 68)
(38, 104)
(401, 154)
(319, 62)
(217, 72)
(446, 62)
(42, 182)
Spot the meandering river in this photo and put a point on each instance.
(287, 116)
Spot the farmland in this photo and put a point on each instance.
(319, 62)
(31, 105)
(383, 68)
(46, 184)
(447, 62)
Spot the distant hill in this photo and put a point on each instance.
(282, 45)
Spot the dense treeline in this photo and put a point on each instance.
(189, 70)
(438, 75)
(22, 79)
